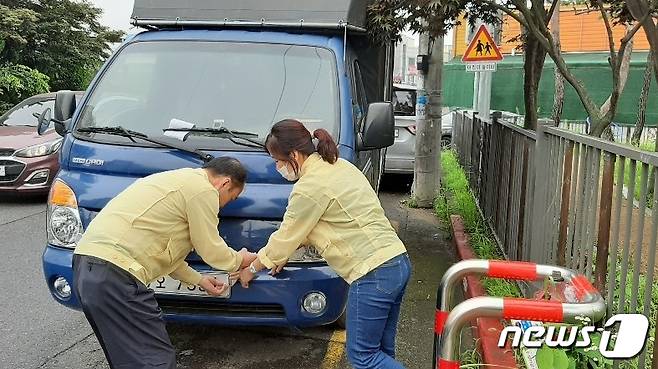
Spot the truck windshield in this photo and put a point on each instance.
(239, 86)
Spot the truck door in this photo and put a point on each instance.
(365, 159)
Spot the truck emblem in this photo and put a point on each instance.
(85, 161)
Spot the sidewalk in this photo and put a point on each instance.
(431, 255)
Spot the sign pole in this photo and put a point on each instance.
(476, 91)
(485, 95)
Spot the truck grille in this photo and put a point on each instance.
(205, 306)
(13, 170)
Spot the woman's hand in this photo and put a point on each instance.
(245, 277)
(278, 268)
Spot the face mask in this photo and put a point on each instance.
(285, 173)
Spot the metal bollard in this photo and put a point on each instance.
(448, 324)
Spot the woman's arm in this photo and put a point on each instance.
(302, 215)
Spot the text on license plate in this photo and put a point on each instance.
(3, 172)
(397, 132)
(169, 286)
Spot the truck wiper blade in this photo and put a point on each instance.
(173, 144)
(116, 130)
(214, 130)
(223, 130)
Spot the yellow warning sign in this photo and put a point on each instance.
(482, 48)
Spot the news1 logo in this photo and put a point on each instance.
(630, 336)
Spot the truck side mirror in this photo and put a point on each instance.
(65, 105)
(378, 131)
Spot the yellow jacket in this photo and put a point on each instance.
(151, 227)
(334, 208)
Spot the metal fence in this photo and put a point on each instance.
(558, 197)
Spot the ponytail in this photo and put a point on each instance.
(326, 146)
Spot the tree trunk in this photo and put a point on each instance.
(638, 9)
(533, 64)
(642, 105)
(623, 73)
(558, 98)
(427, 169)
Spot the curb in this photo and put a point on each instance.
(487, 330)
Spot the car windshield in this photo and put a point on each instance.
(24, 115)
(245, 87)
(404, 102)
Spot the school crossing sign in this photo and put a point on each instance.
(482, 53)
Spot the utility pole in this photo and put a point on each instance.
(427, 164)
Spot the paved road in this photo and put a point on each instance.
(36, 332)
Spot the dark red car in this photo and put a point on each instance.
(28, 162)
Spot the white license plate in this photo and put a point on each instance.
(169, 286)
(397, 132)
(3, 171)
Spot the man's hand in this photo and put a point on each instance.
(247, 257)
(213, 286)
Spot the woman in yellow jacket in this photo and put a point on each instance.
(333, 207)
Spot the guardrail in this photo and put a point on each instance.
(558, 197)
(592, 304)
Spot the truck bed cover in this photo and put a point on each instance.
(318, 14)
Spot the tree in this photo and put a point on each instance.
(18, 82)
(432, 19)
(558, 97)
(531, 16)
(644, 13)
(642, 103)
(63, 39)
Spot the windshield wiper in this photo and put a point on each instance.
(223, 130)
(173, 144)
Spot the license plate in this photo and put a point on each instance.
(397, 133)
(169, 286)
(3, 171)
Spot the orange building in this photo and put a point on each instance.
(580, 31)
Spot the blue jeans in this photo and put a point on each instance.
(373, 309)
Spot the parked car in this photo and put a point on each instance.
(28, 161)
(231, 79)
(400, 156)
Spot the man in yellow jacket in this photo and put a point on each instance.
(145, 233)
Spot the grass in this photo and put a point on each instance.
(456, 198)
(638, 181)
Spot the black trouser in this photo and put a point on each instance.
(124, 315)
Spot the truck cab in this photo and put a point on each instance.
(229, 74)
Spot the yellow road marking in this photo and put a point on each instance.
(335, 350)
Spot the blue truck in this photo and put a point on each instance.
(229, 70)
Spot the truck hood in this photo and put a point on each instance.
(98, 172)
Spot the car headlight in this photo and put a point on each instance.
(306, 254)
(64, 224)
(40, 149)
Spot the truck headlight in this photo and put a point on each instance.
(306, 254)
(63, 221)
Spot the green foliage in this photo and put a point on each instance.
(18, 82)
(455, 198)
(388, 18)
(548, 358)
(61, 38)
